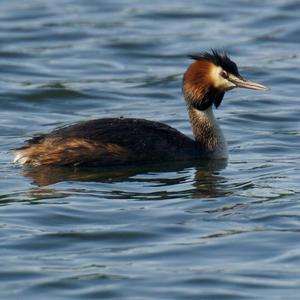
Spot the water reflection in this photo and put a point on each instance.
(202, 177)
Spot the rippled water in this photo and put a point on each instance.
(171, 231)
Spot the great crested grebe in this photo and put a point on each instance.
(116, 141)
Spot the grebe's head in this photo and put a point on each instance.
(209, 77)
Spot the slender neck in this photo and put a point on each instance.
(200, 96)
(207, 132)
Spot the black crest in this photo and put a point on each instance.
(219, 59)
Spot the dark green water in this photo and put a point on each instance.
(172, 231)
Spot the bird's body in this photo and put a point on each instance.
(115, 141)
(109, 142)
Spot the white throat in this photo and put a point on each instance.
(208, 132)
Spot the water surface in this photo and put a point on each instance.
(163, 231)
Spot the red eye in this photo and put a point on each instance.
(224, 74)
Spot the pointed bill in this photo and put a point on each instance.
(247, 84)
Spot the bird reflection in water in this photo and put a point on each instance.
(204, 177)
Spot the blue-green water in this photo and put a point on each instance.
(172, 231)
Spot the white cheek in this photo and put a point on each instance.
(230, 85)
(227, 85)
(218, 81)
